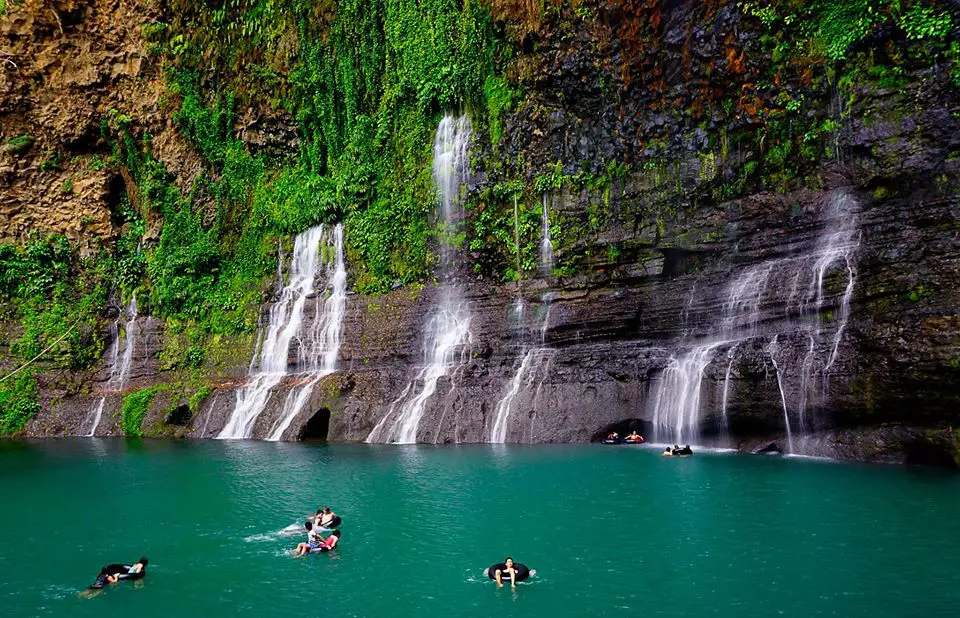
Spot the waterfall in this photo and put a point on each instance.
(797, 283)
(285, 322)
(533, 359)
(546, 245)
(676, 410)
(119, 374)
(447, 331)
(322, 347)
(772, 353)
(130, 333)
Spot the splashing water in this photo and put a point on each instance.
(285, 321)
(447, 333)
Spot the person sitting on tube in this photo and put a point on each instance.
(509, 571)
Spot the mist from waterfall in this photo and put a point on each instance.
(447, 330)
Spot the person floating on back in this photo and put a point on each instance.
(113, 573)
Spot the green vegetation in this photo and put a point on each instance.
(134, 410)
(832, 27)
(366, 112)
(54, 294)
(22, 143)
(18, 403)
(198, 398)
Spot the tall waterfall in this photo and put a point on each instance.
(797, 285)
(119, 374)
(320, 349)
(270, 362)
(447, 331)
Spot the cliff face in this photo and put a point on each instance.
(710, 285)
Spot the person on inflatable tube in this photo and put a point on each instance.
(508, 569)
(113, 573)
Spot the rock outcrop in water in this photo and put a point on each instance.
(818, 312)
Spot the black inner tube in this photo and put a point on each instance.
(522, 571)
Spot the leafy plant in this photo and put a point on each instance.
(134, 410)
(21, 143)
(18, 403)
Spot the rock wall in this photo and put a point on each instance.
(865, 371)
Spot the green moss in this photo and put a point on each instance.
(197, 398)
(134, 410)
(21, 144)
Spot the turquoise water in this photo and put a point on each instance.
(611, 531)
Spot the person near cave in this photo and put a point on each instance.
(633, 436)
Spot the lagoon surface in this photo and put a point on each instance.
(611, 531)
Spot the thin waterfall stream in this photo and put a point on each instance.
(119, 373)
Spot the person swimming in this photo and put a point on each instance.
(327, 517)
(113, 573)
(634, 437)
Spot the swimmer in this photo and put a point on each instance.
(508, 571)
(313, 540)
(634, 437)
(326, 516)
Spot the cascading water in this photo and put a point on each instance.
(119, 374)
(319, 352)
(447, 333)
(96, 412)
(285, 322)
(546, 244)
(745, 313)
